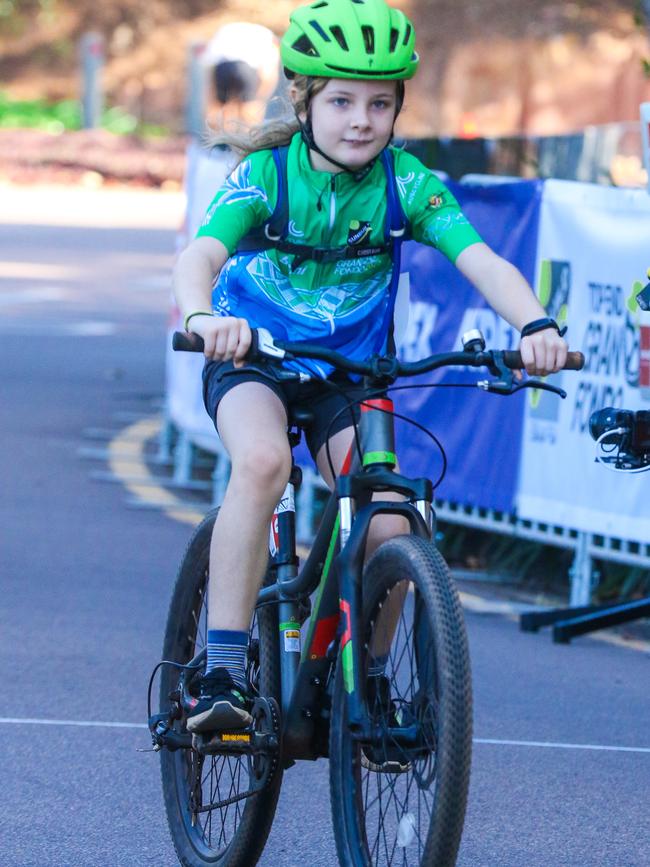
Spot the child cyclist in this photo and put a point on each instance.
(327, 277)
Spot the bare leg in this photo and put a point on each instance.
(252, 424)
(382, 528)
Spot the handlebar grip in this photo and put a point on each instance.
(188, 341)
(183, 341)
(512, 359)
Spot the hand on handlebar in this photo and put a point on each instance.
(225, 338)
(543, 352)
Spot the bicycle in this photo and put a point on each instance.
(399, 747)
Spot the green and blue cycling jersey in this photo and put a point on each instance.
(339, 304)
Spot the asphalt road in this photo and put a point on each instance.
(85, 582)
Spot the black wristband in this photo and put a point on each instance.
(541, 325)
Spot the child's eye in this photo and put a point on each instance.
(380, 103)
(340, 101)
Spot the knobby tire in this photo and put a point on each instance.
(416, 817)
(232, 836)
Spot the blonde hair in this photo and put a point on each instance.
(245, 140)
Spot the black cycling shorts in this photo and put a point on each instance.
(323, 398)
(235, 81)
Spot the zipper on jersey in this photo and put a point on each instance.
(332, 201)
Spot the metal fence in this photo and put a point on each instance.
(607, 154)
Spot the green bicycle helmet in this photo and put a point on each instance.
(365, 39)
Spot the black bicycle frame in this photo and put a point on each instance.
(334, 568)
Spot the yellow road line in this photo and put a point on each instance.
(126, 459)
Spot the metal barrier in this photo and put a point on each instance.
(587, 547)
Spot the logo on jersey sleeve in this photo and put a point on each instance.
(436, 201)
(358, 231)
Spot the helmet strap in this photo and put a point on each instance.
(307, 133)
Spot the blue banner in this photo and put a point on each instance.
(481, 433)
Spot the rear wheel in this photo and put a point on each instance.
(394, 803)
(233, 835)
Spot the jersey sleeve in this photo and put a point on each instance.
(435, 216)
(246, 199)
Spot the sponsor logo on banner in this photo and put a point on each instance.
(554, 292)
(641, 318)
(611, 349)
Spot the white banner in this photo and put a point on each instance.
(594, 246)
(206, 171)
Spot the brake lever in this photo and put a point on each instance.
(505, 383)
(542, 386)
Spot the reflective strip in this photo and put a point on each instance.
(380, 458)
(346, 661)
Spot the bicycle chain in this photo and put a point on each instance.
(217, 805)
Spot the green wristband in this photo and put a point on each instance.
(186, 321)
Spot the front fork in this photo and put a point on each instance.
(378, 459)
(282, 548)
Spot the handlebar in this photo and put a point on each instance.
(386, 367)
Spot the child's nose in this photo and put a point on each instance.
(360, 116)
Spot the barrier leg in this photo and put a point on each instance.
(183, 457)
(581, 573)
(305, 507)
(220, 477)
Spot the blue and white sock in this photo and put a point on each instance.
(228, 648)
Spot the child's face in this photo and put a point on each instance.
(352, 121)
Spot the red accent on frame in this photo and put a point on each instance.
(345, 469)
(382, 403)
(347, 630)
(323, 635)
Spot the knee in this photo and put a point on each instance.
(264, 467)
(385, 527)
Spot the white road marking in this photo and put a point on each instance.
(560, 746)
(85, 328)
(109, 208)
(91, 328)
(39, 271)
(70, 722)
(490, 741)
(35, 295)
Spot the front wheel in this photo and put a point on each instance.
(232, 835)
(404, 802)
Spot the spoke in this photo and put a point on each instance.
(395, 665)
(211, 801)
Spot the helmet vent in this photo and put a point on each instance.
(320, 31)
(368, 39)
(394, 36)
(304, 45)
(337, 33)
(319, 5)
(407, 35)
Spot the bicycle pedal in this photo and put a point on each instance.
(236, 741)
